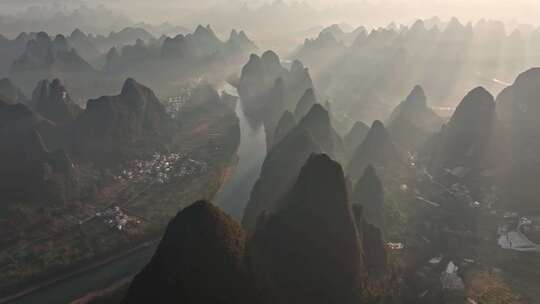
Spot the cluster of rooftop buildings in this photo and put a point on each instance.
(116, 218)
(162, 168)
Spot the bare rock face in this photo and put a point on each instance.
(377, 150)
(52, 101)
(199, 260)
(412, 121)
(308, 250)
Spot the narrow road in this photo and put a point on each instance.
(68, 287)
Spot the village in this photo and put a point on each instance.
(161, 168)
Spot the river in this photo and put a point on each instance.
(234, 195)
(232, 198)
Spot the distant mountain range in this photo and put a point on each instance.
(104, 61)
(366, 76)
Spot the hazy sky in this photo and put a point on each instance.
(156, 11)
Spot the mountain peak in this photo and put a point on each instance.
(243, 36)
(270, 58)
(60, 43)
(297, 65)
(317, 122)
(517, 104)
(211, 222)
(241, 39)
(253, 68)
(417, 97)
(359, 125)
(200, 29)
(376, 149)
(370, 173)
(479, 92)
(334, 28)
(201, 239)
(77, 33)
(56, 57)
(355, 137)
(533, 73)
(282, 252)
(109, 122)
(305, 103)
(278, 173)
(412, 121)
(467, 139)
(204, 31)
(253, 58)
(320, 172)
(52, 100)
(477, 103)
(317, 115)
(377, 129)
(129, 85)
(377, 133)
(327, 37)
(137, 95)
(285, 125)
(419, 25)
(43, 37)
(368, 192)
